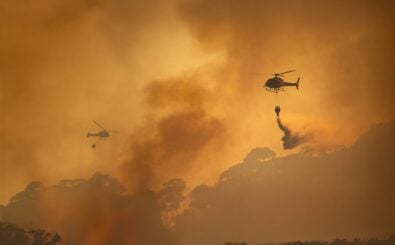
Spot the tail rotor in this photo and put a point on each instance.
(297, 83)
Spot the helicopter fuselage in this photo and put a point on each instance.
(276, 83)
(101, 134)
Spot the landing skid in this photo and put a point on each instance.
(274, 90)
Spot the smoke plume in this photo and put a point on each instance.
(178, 129)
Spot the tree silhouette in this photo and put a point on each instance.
(11, 234)
(372, 241)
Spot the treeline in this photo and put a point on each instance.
(11, 234)
(373, 241)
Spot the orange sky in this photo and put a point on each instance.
(182, 82)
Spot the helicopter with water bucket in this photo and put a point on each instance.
(277, 83)
(103, 134)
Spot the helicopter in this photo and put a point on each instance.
(276, 83)
(102, 134)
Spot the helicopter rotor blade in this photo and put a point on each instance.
(286, 72)
(99, 125)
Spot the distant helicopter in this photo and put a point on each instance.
(103, 134)
(276, 83)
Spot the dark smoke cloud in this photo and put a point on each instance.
(291, 139)
(174, 135)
